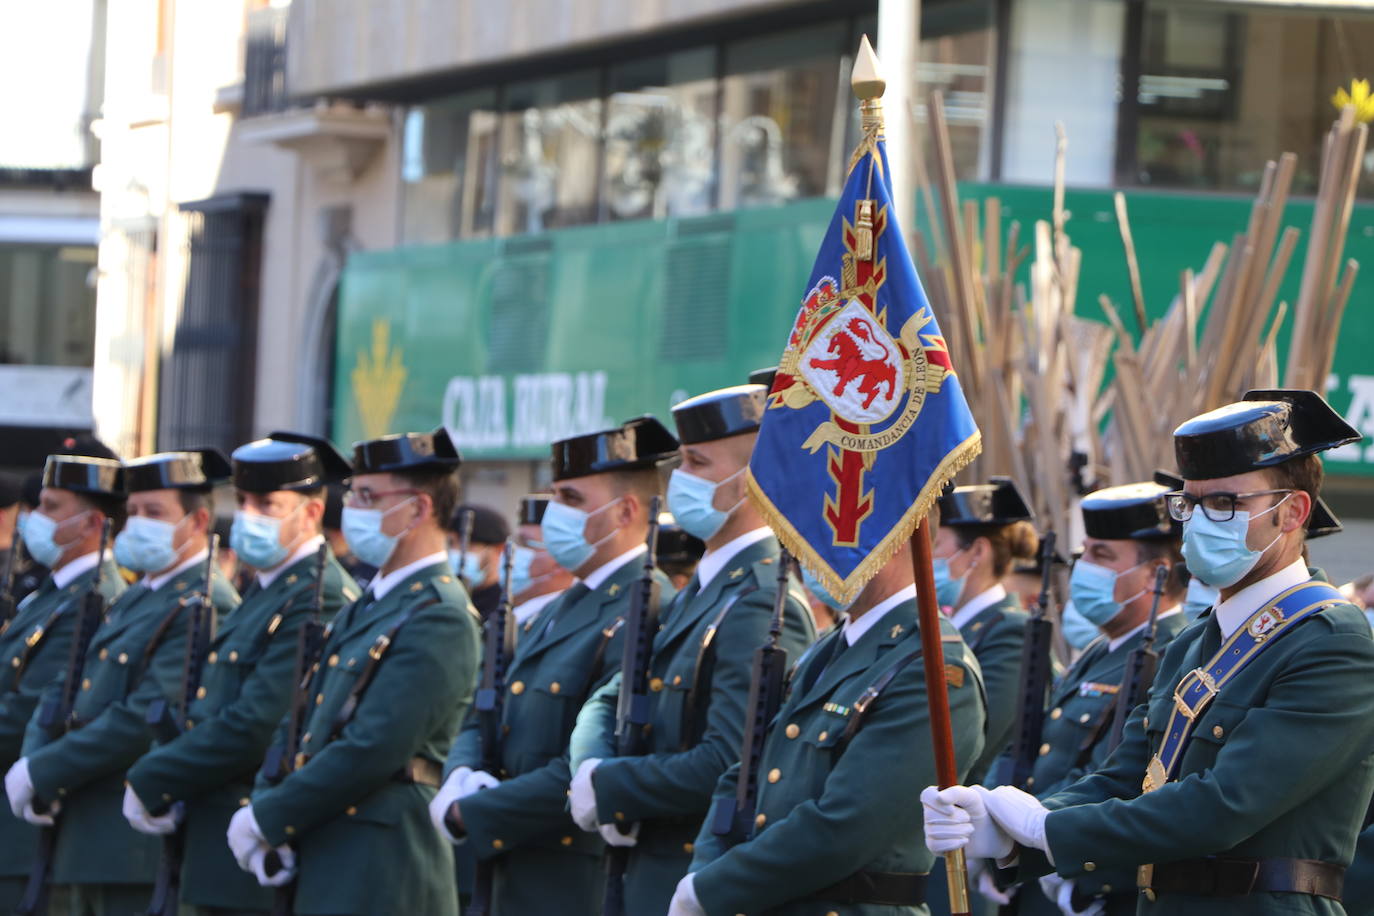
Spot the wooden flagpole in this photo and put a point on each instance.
(937, 697)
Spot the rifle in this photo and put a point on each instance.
(166, 727)
(632, 707)
(55, 717)
(1140, 666)
(733, 818)
(498, 637)
(1035, 677)
(464, 545)
(8, 607)
(282, 758)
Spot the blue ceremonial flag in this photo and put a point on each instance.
(866, 420)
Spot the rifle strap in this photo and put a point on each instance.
(599, 658)
(703, 674)
(375, 655)
(264, 636)
(158, 638)
(865, 702)
(35, 641)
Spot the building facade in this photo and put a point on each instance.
(531, 219)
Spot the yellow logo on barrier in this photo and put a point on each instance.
(378, 379)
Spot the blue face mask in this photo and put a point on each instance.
(362, 528)
(257, 538)
(565, 533)
(947, 588)
(40, 537)
(472, 572)
(146, 544)
(1093, 589)
(1200, 597)
(692, 501)
(1216, 552)
(1078, 630)
(814, 586)
(521, 560)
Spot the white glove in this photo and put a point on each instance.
(443, 800)
(39, 820)
(956, 818)
(989, 889)
(477, 781)
(684, 902)
(614, 837)
(283, 875)
(139, 818)
(245, 837)
(1060, 890)
(582, 797)
(19, 786)
(1019, 814)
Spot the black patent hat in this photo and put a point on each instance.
(998, 502)
(675, 545)
(1321, 521)
(720, 414)
(82, 474)
(764, 377)
(287, 461)
(639, 443)
(404, 452)
(532, 509)
(195, 469)
(1266, 427)
(1133, 512)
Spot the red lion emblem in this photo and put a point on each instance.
(851, 363)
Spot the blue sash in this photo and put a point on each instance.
(1200, 686)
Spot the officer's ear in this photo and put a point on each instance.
(1295, 511)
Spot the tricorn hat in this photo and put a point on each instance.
(675, 545)
(488, 525)
(432, 451)
(998, 502)
(1265, 428)
(720, 414)
(81, 474)
(194, 469)
(1132, 512)
(1321, 521)
(287, 461)
(532, 509)
(764, 377)
(639, 443)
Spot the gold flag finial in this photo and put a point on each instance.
(866, 80)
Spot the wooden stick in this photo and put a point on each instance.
(937, 700)
(1132, 265)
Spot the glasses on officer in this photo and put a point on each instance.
(1219, 507)
(367, 498)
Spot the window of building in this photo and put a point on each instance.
(660, 136)
(47, 305)
(449, 170)
(1225, 88)
(550, 137)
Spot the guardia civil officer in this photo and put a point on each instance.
(983, 528)
(1241, 784)
(595, 527)
(480, 566)
(279, 483)
(135, 657)
(837, 828)
(1129, 535)
(536, 579)
(63, 532)
(395, 676)
(701, 662)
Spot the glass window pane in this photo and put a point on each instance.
(47, 305)
(785, 107)
(550, 142)
(1225, 88)
(660, 137)
(448, 168)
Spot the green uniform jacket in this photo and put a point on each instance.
(1280, 765)
(995, 635)
(246, 688)
(526, 818)
(363, 835)
(824, 816)
(136, 656)
(1075, 735)
(47, 619)
(668, 791)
